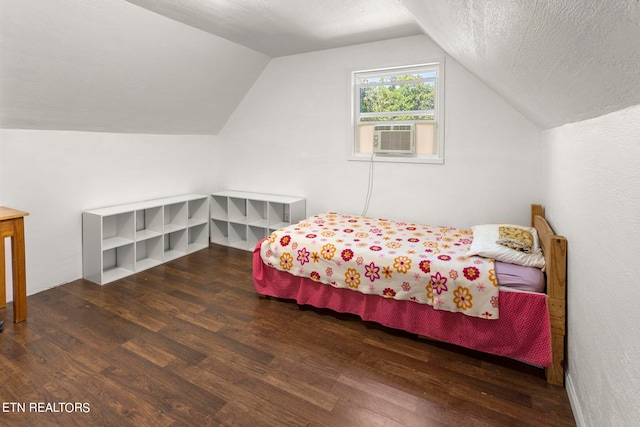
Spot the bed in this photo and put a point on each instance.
(528, 326)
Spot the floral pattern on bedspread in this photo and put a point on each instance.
(393, 259)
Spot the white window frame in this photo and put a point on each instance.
(438, 113)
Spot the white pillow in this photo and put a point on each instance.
(485, 244)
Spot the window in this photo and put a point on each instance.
(398, 114)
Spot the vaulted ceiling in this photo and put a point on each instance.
(166, 66)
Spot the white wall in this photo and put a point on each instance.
(593, 198)
(55, 175)
(289, 136)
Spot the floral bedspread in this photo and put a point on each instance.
(398, 260)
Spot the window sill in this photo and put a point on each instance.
(382, 158)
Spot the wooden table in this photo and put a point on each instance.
(12, 225)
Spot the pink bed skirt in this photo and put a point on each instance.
(522, 332)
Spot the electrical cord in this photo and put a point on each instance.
(370, 187)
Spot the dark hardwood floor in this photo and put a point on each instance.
(189, 343)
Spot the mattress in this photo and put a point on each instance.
(529, 279)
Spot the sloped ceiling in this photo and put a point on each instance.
(555, 61)
(134, 66)
(110, 66)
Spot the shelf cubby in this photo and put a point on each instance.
(149, 253)
(257, 213)
(255, 234)
(219, 208)
(220, 232)
(175, 217)
(197, 237)
(197, 212)
(117, 230)
(175, 244)
(238, 210)
(148, 223)
(278, 215)
(238, 235)
(118, 262)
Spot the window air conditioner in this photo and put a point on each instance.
(394, 139)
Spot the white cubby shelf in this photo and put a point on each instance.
(241, 219)
(121, 240)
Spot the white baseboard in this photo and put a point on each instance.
(575, 403)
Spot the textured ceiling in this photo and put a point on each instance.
(286, 27)
(110, 66)
(132, 66)
(555, 61)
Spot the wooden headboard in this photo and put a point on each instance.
(554, 249)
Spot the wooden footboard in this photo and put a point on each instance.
(554, 248)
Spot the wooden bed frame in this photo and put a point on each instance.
(554, 248)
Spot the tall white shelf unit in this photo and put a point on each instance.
(121, 240)
(241, 219)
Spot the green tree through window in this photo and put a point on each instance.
(398, 94)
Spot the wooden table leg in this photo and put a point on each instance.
(12, 226)
(3, 276)
(19, 272)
